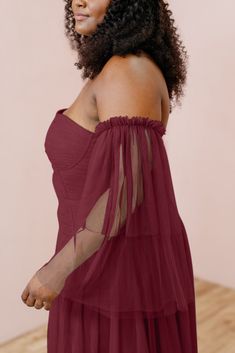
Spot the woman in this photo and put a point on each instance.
(121, 278)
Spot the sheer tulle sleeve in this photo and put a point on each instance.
(127, 211)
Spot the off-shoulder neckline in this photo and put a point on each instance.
(116, 120)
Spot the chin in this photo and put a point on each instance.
(84, 31)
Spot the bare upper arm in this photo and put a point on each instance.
(127, 87)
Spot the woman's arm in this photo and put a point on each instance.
(112, 191)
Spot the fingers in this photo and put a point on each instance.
(30, 300)
(38, 304)
(47, 306)
(25, 294)
(37, 295)
(36, 299)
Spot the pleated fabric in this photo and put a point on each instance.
(76, 328)
(122, 264)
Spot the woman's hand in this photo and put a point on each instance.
(37, 295)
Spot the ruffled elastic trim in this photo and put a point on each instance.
(134, 120)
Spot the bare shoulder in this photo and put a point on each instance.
(142, 68)
(129, 86)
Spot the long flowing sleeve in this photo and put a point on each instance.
(128, 227)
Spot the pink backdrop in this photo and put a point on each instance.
(38, 77)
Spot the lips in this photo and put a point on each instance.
(80, 17)
(80, 14)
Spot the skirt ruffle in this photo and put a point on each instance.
(74, 327)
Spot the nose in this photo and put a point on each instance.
(81, 3)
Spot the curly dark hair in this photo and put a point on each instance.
(132, 26)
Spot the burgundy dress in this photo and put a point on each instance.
(122, 264)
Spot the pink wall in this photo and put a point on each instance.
(38, 77)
